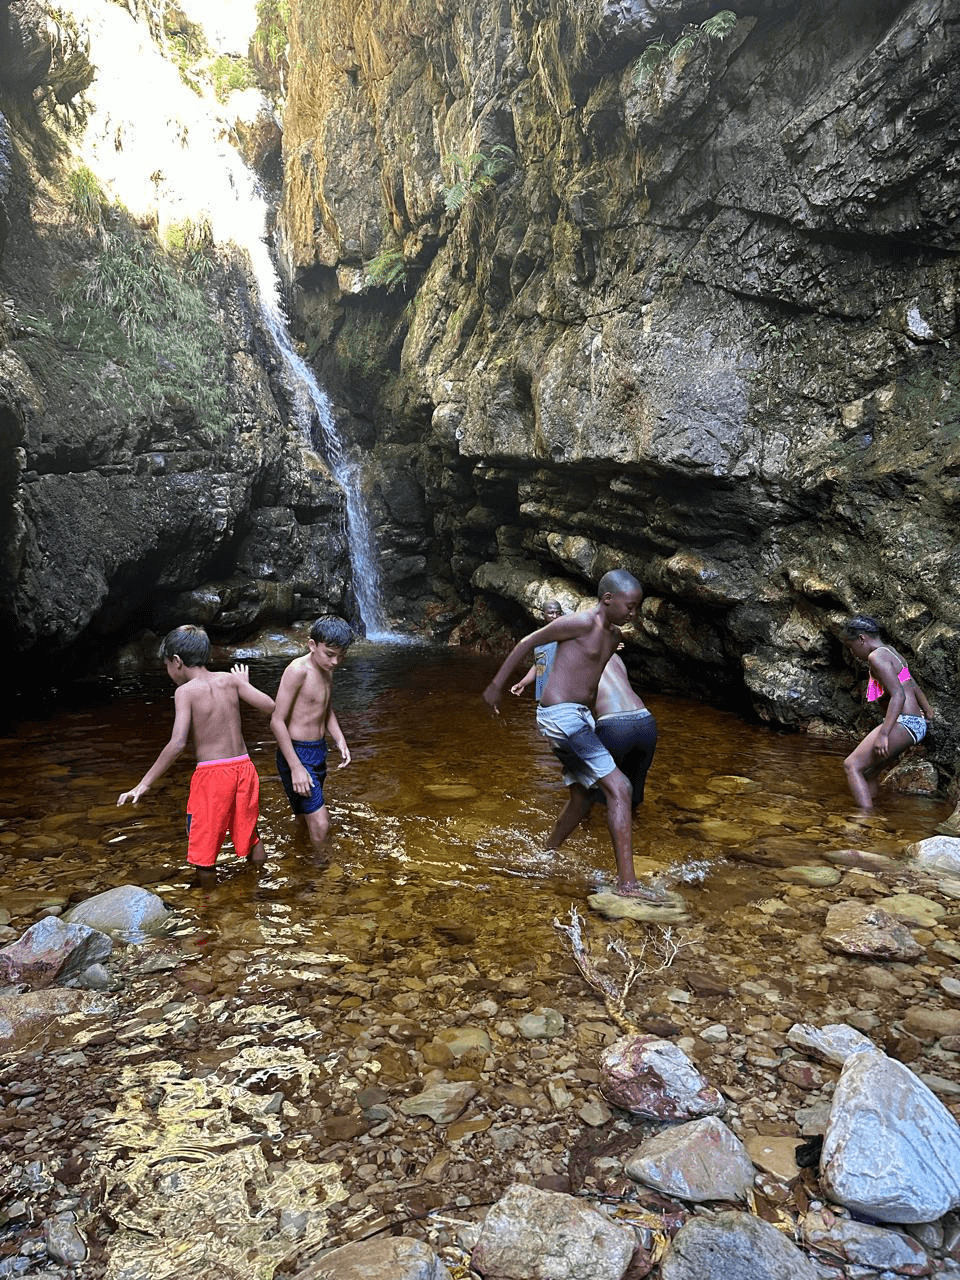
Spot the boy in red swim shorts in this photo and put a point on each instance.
(225, 788)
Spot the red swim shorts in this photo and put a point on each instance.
(224, 796)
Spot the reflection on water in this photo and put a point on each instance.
(441, 800)
(277, 998)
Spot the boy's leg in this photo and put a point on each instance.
(318, 824)
(619, 793)
(575, 810)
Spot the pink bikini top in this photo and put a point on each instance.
(876, 690)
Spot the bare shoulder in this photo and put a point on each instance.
(295, 672)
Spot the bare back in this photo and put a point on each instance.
(214, 706)
(303, 700)
(580, 659)
(615, 694)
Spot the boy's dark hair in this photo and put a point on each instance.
(619, 582)
(188, 643)
(861, 624)
(333, 631)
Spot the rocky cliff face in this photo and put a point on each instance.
(148, 474)
(696, 318)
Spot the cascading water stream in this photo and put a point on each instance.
(312, 404)
(163, 150)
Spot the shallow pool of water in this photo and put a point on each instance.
(230, 1085)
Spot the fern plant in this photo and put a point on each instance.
(388, 270)
(661, 51)
(470, 175)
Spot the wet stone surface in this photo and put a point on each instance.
(243, 1098)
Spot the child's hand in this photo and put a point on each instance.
(301, 781)
(241, 671)
(345, 756)
(133, 796)
(517, 689)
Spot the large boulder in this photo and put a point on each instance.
(531, 1234)
(734, 1246)
(52, 950)
(892, 1149)
(128, 910)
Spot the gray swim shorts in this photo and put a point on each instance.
(570, 729)
(916, 726)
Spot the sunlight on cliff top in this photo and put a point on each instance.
(155, 145)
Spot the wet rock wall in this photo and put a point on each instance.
(121, 515)
(700, 324)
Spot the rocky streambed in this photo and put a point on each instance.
(395, 1050)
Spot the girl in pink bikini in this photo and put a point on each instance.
(908, 711)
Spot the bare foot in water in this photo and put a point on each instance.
(258, 854)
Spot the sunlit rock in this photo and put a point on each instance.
(737, 1246)
(542, 1024)
(126, 909)
(442, 1102)
(653, 1077)
(816, 877)
(833, 1043)
(545, 1235)
(52, 950)
(913, 909)
(774, 1155)
(462, 1040)
(669, 907)
(937, 853)
(892, 1149)
(857, 929)
(64, 1242)
(929, 1023)
(698, 1161)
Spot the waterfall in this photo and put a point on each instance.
(312, 405)
(162, 150)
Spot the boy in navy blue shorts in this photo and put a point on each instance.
(304, 718)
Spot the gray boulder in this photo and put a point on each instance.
(734, 1246)
(698, 1161)
(545, 1235)
(128, 909)
(892, 1149)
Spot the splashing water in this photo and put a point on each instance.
(164, 152)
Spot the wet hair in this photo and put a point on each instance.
(860, 624)
(332, 631)
(619, 582)
(188, 643)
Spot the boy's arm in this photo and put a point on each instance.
(290, 683)
(179, 737)
(560, 629)
(529, 678)
(339, 741)
(249, 692)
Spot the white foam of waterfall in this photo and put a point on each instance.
(164, 152)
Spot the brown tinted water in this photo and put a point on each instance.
(319, 978)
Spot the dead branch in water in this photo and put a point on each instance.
(664, 946)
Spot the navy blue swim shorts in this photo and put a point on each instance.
(313, 757)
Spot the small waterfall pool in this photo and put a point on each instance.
(252, 1069)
